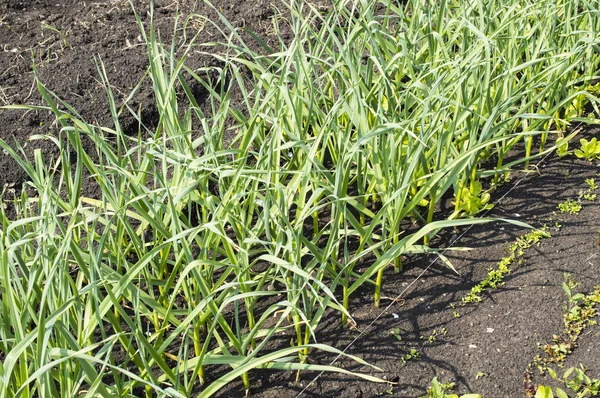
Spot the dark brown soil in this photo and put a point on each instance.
(66, 40)
(485, 350)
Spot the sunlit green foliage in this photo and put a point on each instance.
(198, 250)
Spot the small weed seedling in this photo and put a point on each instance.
(441, 390)
(589, 193)
(495, 277)
(591, 182)
(389, 391)
(562, 148)
(570, 206)
(435, 334)
(396, 333)
(589, 150)
(472, 200)
(589, 196)
(580, 313)
(411, 355)
(579, 383)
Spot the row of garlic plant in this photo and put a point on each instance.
(197, 253)
(411, 105)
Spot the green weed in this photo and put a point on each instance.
(412, 355)
(495, 277)
(562, 148)
(570, 206)
(574, 379)
(580, 313)
(441, 390)
(589, 150)
(591, 183)
(589, 196)
(396, 333)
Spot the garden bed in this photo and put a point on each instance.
(429, 324)
(482, 347)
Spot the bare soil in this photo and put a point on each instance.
(485, 350)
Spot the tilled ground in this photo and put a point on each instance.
(484, 348)
(67, 40)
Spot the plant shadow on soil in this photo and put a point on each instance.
(487, 348)
(484, 350)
